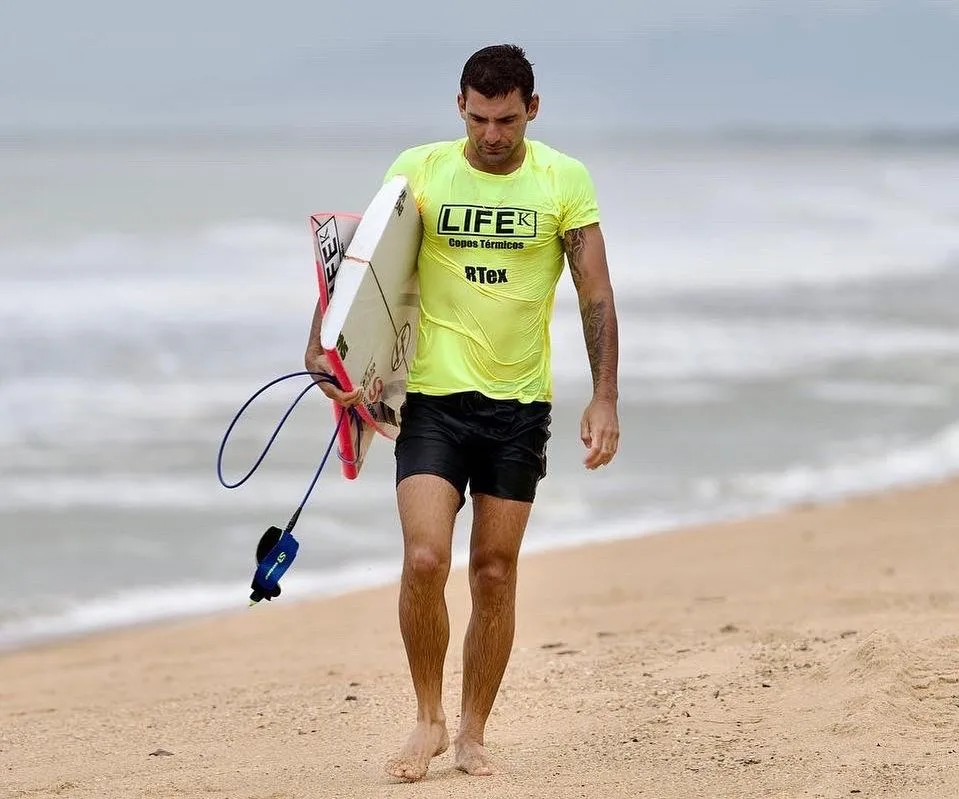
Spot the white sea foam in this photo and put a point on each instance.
(153, 603)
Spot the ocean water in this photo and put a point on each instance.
(788, 323)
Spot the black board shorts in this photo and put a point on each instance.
(497, 447)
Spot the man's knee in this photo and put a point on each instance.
(427, 565)
(492, 573)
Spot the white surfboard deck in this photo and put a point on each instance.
(369, 297)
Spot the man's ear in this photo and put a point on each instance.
(533, 108)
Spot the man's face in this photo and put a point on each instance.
(496, 126)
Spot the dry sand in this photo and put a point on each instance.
(813, 653)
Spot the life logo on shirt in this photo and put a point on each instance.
(483, 227)
(481, 220)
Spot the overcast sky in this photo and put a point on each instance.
(689, 63)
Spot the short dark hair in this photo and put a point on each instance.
(496, 70)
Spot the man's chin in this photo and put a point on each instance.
(494, 158)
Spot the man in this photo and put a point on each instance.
(499, 212)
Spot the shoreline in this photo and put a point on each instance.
(311, 587)
(805, 652)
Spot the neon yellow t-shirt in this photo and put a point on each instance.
(489, 262)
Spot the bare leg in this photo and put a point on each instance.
(427, 508)
(498, 527)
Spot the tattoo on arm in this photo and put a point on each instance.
(575, 244)
(595, 315)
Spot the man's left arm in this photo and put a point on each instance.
(586, 253)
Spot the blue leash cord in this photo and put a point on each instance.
(277, 548)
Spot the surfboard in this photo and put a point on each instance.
(369, 298)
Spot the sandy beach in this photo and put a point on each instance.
(810, 653)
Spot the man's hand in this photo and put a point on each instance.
(599, 430)
(316, 360)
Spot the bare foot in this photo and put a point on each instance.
(472, 757)
(427, 740)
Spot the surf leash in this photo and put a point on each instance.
(277, 547)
